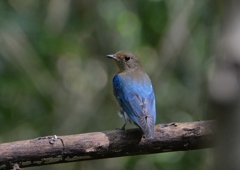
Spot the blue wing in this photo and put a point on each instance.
(135, 95)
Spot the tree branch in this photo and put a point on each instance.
(98, 145)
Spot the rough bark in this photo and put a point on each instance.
(98, 145)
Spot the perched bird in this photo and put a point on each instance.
(134, 92)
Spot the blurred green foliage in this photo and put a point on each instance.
(55, 78)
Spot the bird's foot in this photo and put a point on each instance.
(122, 128)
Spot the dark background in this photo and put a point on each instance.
(55, 77)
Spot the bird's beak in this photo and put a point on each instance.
(111, 56)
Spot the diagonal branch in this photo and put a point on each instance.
(108, 144)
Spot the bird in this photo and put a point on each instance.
(134, 92)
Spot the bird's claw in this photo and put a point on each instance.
(122, 128)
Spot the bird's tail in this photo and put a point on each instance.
(146, 123)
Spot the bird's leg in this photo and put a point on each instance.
(123, 127)
(122, 115)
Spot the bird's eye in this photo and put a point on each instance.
(127, 58)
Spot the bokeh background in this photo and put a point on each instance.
(55, 77)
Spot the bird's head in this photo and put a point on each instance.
(125, 61)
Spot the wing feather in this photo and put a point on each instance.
(138, 101)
